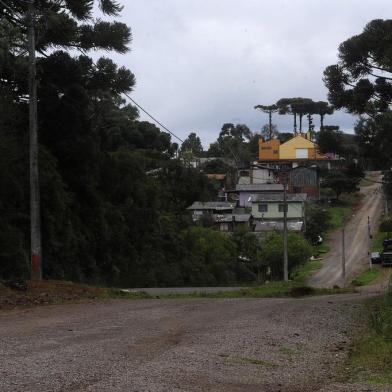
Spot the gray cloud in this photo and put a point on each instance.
(200, 63)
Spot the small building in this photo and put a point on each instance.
(266, 226)
(245, 191)
(257, 175)
(228, 222)
(298, 148)
(270, 206)
(269, 150)
(199, 208)
(304, 180)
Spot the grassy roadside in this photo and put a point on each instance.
(343, 209)
(366, 277)
(365, 183)
(378, 239)
(294, 288)
(339, 211)
(370, 358)
(29, 294)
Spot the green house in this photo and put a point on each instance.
(271, 207)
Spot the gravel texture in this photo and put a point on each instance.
(179, 345)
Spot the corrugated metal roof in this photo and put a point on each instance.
(278, 197)
(212, 205)
(259, 187)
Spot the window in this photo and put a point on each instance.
(281, 208)
(263, 207)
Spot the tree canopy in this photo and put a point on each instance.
(192, 143)
(361, 81)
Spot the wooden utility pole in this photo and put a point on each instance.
(35, 216)
(344, 252)
(285, 248)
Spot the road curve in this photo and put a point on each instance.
(356, 240)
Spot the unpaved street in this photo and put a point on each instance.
(193, 345)
(356, 239)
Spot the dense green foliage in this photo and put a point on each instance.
(361, 83)
(193, 144)
(317, 222)
(113, 194)
(112, 197)
(341, 182)
(299, 251)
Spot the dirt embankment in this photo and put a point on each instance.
(17, 294)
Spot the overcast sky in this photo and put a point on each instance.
(202, 63)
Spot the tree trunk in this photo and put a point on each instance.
(321, 122)
(270, 124)
(295, 123)
(300, 123)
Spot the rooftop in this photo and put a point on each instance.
(291, 197)
(212, 205)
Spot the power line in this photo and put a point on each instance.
(140, 107)
(153, 118)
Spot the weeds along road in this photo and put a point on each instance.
(356, 239)
(179, 345)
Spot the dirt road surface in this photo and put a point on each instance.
(229, 345)
(356, 239)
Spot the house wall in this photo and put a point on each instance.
(269, 151)
(262, 176)
(288, 150)
(311, 191)
(295, 210)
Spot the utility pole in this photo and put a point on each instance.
(285, 251)
(370, 242)
(344, 253)
(35, 216)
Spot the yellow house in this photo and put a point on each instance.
(300, 147)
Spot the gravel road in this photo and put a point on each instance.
(228, 345)
(356, 240)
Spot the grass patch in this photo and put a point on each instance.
(366, 277)
(275, 289)
(378, 239)
(370, 358)
(322, 248)
(338, 214)
(305, 270)
(288, 351)
(365, 183)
